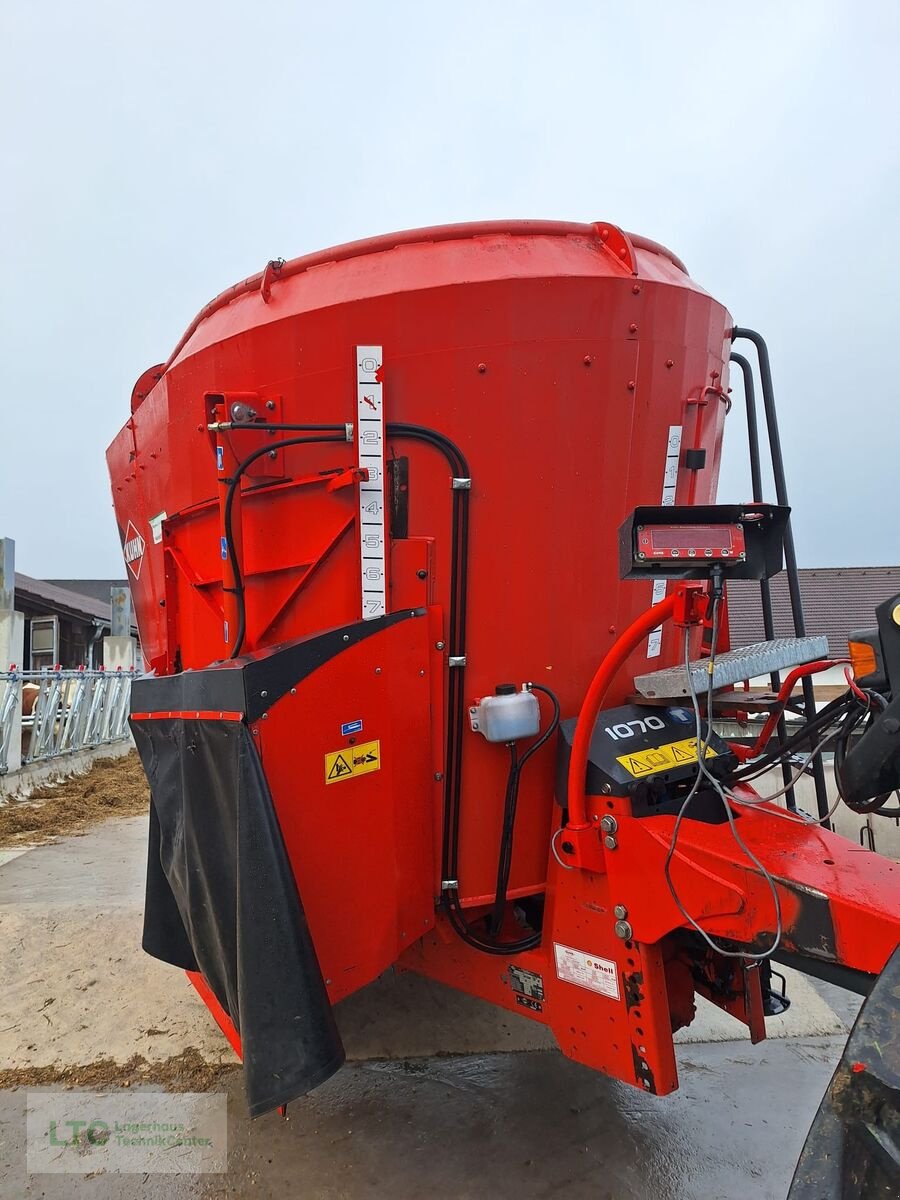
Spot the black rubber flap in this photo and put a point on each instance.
(221, 899)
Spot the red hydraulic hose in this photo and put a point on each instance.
(745, 753)
(624, 644)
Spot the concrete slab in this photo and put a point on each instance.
(76, 985)
(8, 855)
(530, 1126)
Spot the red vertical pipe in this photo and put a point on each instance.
(624, 644)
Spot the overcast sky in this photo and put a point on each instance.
(154, 153)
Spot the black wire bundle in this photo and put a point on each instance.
(826, 716)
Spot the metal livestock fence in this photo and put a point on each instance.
(63, 711)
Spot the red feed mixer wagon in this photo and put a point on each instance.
(431, 584)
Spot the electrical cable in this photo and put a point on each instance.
(566, 866)
(704, 772)
(796, 817)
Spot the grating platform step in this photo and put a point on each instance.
(748, 662)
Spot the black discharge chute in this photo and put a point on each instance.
(221, 899)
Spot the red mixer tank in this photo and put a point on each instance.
(370, 505)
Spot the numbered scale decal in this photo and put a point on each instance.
(370, 439)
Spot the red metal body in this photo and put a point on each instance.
(566, 361)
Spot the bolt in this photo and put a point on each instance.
(670, 362)
(378, 670)
(270, 405)
(621, 912)
(623, 930)
(631, 385)
(438, 645)
(482, 367)
(328, 982)
(346, 637)
(421, 672)
(587, 360)
(609, 824)
(255, 732)
(293, 691)
(162, 604)
(438, 776)
(635, 289)
(272, 454)
(421, 573)
(607, 787)
(610, 842)
(632, 328)
(263, 694)
(265, 716)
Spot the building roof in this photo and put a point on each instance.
(41, 594)
(836, 600)
(97, 589)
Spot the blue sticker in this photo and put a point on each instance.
(351, 727)
(220, 458)
(223, 543)
(683, 716)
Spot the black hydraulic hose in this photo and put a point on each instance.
(765, 593)
(790, 555)
(456, 646)
(233, 484)
(459, 555)
(459, 545)
(824, 718)
(504, 863)
(504, 858)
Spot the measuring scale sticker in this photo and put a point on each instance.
(370, 442)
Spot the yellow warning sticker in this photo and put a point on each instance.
(662, 758)
(354, 760)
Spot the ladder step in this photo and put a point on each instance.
(730, 668)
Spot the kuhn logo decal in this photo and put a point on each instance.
(133, 550)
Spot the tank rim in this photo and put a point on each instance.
(462, 231)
